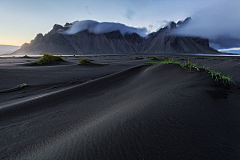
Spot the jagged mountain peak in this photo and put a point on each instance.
(115, 41)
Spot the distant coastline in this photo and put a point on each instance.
(7, 49)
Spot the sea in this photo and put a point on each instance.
(7, 49)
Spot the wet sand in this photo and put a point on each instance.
(121, 109)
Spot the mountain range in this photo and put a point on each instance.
(114, 42)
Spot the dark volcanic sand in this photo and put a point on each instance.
(122, 109)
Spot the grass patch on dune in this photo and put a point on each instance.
(23, 85)
(25, 56)
(138, 58)
(164, 58)
(48, 58)
(215, 75)
(85, 62)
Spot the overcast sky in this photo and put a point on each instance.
(21, 20)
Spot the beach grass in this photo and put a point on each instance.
(48, 58)
(218, 76)
(164, 58)
(85, 61)
(138, 57)
(25, 56)
(23, 85)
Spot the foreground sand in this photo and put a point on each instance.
(122, 109)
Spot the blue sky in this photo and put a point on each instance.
(23, 19)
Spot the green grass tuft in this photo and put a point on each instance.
(190, 65)
(154, 63)
(26, 56)
(164, 58)
(23, 85)
(215, 75)
(138, 58)
(171, 61)
(85, 61)
(48, 58)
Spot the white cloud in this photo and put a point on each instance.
(235, 50)
(103, 27)
(220, 23)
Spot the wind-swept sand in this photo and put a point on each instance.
(132, 111)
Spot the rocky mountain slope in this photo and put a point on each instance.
(162, 41)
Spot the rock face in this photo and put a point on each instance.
(164, 42)
(114, 42)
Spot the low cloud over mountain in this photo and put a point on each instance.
(219, 23)
(101, 27)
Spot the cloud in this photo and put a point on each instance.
(102, 27)
(219, 23)
(150, 27)
(155, 26)
(230, 50)
(129, 14)
(88, 10)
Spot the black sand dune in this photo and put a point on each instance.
(47, 78)
(159, 112)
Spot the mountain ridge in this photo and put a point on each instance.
(162, 41)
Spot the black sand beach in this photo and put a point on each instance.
(121, 109)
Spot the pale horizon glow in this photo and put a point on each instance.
(10, 45)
